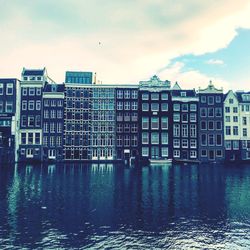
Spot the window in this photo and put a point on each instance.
(154, 123)
(227, 109)
(164, 152)
(145, 123)
(235, 144)
(218, 112)
(38, 120)
(210, 100)
(126, 128)
(1, 107)
(235, 130)
(203, 153)
(164, 107)
(184, 107)
(134, 117)
(228, 145)
(193, 154)
(134, 140)
(193, 143)
(164, 122)
(244, 120)
(126, 94)
(219, 153)
(38, 105)
(9, 107)
(24, 105)
(184, 143)
(145, 137)
(154, 96)
(193, 132)
(176, 107)
(134, 94)
(218, 140)
(177, 153)
(134, 105)
(203, 99)
(9, 89)
(119, 105)
(31, 91)
(235, 110)
(30, 121)
(210, 112)
(176, 143)
(154, 106)
(145, 96)
(231, 100)
(126, 140)
(145, 151)
(52, 127)
(59, 103)
(184, 117)
(228, 130)
(46, 127)
(210, 125)
(127, 105)
(244, 132)
(218, 125)
(155, 138)
(227, 118)
(23, 138)
(119, 94)
(59, 141)
(59, 114)
(24, 91)
(53, 103)
(235, 119)
(37, 138)
(211, 140)
(38, 91)
(203, 139)
(164, 138)
(218, 99)
(145, 106)
(31, 105)
(1, 88)
(177, 117)
(134, 128)
(176, 130)
(59, 127)
(203, 125)
(164, 96)
(183, 94)
(23, 121)
(119, 140)
(52, 113)
(46, 113)
(193, 107)
(30, 138)
(184, 130)
(203, 112)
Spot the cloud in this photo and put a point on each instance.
(215, 62)
(137, 37)
(189, 79)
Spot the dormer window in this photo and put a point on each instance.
(39, 78)
(25, 78)
(183, 94)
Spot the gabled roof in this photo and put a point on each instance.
(189, 93)
(210, 90)
(240, 96)
(176, 86)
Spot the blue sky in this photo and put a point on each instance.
(189, 41)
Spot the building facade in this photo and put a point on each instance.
(79, 77)
(77, 122)
(211, 121)
(126, 122)
(9, 119)
(53, 121)
(185, 125)
(155, 120)
(31, 113)
(232, 127)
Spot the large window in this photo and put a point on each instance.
(164, 152)
(176, 143)
(164, 122)
(145, 96)
(228, 130)
(154, 123)
(193, 131)
(145, 138)
(154, 96)
(235, 130)
(164, 107)
(164, 138)
(176, 130)
(155, 138)
(145, 151)
(134, 94)
(176, 107)
(184, 130)
(119, 105)
(145, 123)
(126, 94)
(155, 106)
(145, 106)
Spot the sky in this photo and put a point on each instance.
(191, 41)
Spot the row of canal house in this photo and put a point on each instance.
(82, 120)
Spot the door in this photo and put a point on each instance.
(211, 154)
(154, 152)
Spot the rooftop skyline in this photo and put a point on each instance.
(126, 42)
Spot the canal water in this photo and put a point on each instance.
(112, 207)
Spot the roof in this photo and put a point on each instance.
(54, 88)
(33, 72)
(210, 89)
(8, 80)
(240, 97)
(189, 93)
